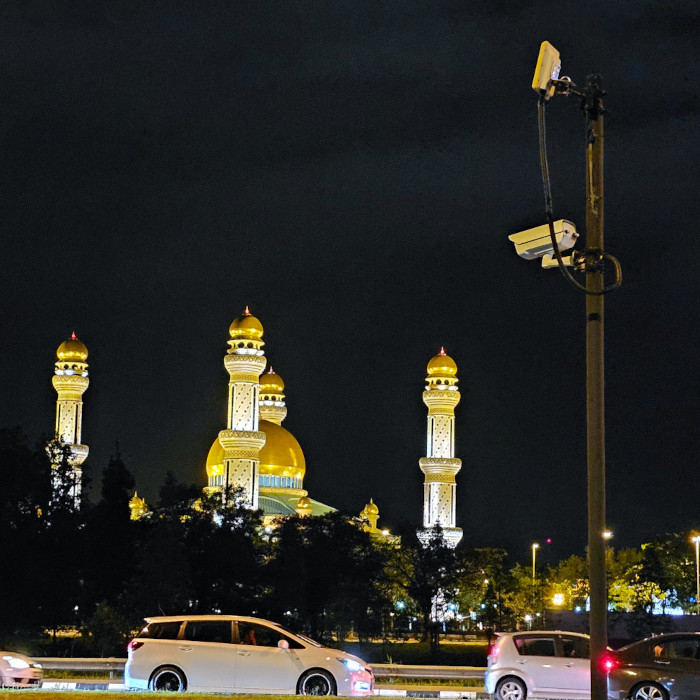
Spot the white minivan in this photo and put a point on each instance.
(228, 653)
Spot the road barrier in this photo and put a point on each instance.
(381, 671)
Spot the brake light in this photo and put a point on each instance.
(133, 645)
(609, 663)
(493, 651)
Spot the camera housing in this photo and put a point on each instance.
(537, 242)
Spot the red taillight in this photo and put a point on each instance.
(493, 651)
(133, 645)
(609, 663)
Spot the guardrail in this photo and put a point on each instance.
(114, 665)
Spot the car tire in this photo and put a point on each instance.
(168, 679)
(316, 681)
(648, 690)
(511, 688)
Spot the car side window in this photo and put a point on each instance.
(677, 649)
(535, 646)
(263, 636)
(208, 631)
(161, 630)
(575, 647)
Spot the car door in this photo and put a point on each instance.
(261, 663)
(678, 658)
(574, 665)
(537, 660)
(207, 656)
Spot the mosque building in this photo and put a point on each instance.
(257, 455)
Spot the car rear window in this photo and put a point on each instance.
(535, 646)
(160, 630)
(575, 647)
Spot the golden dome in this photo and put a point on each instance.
(281, 455)
(442, 365)
(246, 327)
(271, 383)
(371, 508)
(72, 350)
(304, 503)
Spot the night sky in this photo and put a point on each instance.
(351, 170)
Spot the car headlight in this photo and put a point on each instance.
(15, 662)
(351, 664)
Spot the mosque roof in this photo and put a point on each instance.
(72, 350)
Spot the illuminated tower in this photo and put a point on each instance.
(70, 381)
(272, 406)
(440, 465)
(242, 439)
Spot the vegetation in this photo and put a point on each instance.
(86, 577)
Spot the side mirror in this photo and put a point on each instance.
(283, 644)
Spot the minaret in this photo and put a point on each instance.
(242, 440)
(440, 465)
(272, 406)
(70, 381)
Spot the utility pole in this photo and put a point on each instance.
(595, 382)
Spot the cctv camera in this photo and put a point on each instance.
(536, 242)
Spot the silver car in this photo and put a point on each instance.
(543, 664)
(19, 671)
(230, 653)
(666, 667)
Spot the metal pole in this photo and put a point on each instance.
(696, 539)
(595, 382)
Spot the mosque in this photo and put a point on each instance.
(256, 454)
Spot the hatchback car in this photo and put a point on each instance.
(666, 667)
(543, 664)
(19, 671)
(227, 653)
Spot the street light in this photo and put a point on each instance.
(696, 540)
(535, 547)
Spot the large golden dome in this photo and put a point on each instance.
(442, 365)
(246, 327)
(72, 350)
(281, 455)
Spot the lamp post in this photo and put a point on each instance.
(696, 540)
(535, 547)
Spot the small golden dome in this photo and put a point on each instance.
(271, 383)
(72, 350)
(246, 327)
(442, 365)
(304, 503)
(371, 508)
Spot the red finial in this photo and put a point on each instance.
(442, 352)
(246, 311)
(73, 336)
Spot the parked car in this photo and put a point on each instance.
(666, 667)
(544, 664)
(19, 671)
(228, 653)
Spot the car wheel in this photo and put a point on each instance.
(648, 691)
(168, 678)
(316, 682)
(511, 689)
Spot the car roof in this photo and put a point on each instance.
(663, 637)
(207, 618)
(541, 633)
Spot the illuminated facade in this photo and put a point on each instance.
(70, 381)
(440, 466)
(255, 452)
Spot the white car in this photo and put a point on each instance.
(228, 653)
(539, 664)
(19, 671)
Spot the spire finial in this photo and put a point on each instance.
(270, 371)
(246, 311)
(74, 336)
(442, 352)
